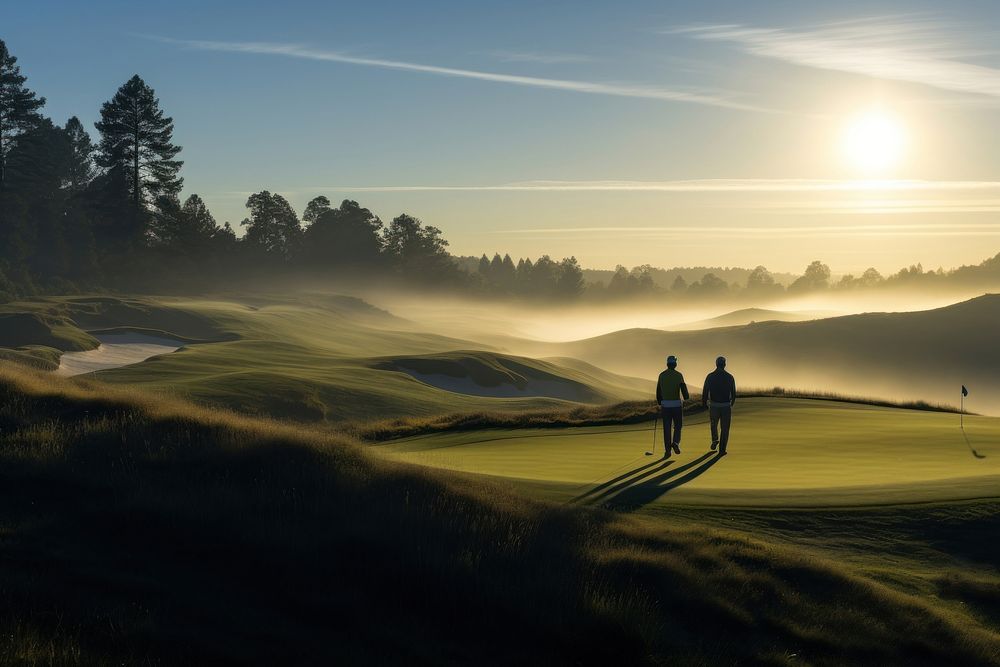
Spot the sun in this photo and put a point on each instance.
(873, 142)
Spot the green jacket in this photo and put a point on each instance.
(670, 386)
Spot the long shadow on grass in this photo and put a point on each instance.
(971, 448)
(638, 495)
(604, 485)
(609, 494)
(610, 491)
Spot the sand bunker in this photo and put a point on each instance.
(116, 350)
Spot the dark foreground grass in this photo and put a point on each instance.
(135, 530)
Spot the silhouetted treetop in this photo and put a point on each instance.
(185, 228)
(18, 106)
(760, 279)
(82, 169)
(816, 276)
(343, 237)
(570, 282)
(418, 251)
(136, 142)
(314, 209)
(73, 216)
(272, 227)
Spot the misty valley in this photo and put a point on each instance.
(391, 333)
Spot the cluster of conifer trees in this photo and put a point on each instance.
(541, 278)
(80, 214)
(75, 215)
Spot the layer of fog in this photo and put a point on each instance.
(500, 321)
(545, 331)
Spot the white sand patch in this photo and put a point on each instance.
(466, 385)
(116, 350)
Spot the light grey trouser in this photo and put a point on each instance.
(723, 414)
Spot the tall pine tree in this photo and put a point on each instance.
(18, 107)
(81, 167)
(136, 143)
(36, 173)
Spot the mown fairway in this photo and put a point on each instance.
(783, 452)
(897, 495)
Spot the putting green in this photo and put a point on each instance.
(787, 452)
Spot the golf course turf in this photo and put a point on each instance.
(361, 514)
(138, 529)
(783, 452)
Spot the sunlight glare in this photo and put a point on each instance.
(873, 142)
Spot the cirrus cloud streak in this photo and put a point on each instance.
(587, 87)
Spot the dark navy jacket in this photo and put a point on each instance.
(720, 387)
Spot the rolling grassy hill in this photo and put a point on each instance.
(783, 452)
(901, 495)
(746, 316)
(924, 355)
(138, 529)
(490, 374)
(315, 358)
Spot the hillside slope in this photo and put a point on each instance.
(503, 376)
(925, 355)
(308, 358)
(147, 531)
(746, 316)
(785, 452)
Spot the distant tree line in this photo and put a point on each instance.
(504, 277)
(76, 214)
(542, 278)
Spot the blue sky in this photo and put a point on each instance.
(465, 114)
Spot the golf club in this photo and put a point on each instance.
(655, 419)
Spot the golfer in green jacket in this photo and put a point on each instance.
(670, 387)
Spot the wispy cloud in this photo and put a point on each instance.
(542, 58)
(913, 49)
(588, 87)
(882, 206)
(860, 197)
(931, 230)
(694, 186)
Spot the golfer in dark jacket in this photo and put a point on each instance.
(719, 394)
(670, 387)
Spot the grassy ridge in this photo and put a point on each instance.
(146, 530)
(307, 358)
(19, 329)
(323, 358)
(785, 452)
(622, 413)
(924, 355)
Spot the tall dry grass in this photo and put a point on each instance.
(141, 529)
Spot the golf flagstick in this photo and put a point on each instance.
(961, 424)
(961, 410)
